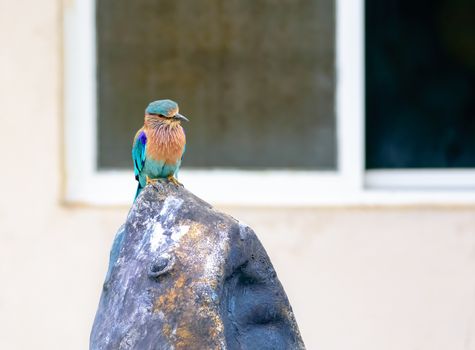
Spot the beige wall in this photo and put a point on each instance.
(363, 278)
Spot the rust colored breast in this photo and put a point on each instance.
(166, 143)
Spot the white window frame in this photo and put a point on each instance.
(349, 185)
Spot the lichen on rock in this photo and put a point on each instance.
(185, 276)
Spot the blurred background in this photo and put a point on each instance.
(259, 79)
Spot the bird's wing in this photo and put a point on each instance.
(138, 152)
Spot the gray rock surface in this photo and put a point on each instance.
(185, 276)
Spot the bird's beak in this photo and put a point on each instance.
(180, 117)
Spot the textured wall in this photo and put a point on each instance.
(357, 278)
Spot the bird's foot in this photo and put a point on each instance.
(174, 181)
(150, 181)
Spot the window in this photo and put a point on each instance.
(420, 79)
(116, 61)
(420, 106)
(253, 76)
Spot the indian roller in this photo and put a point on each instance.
(159, 145)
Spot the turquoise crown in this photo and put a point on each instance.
(162, 107)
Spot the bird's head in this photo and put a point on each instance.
(163, 112)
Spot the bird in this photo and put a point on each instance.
(159, 146)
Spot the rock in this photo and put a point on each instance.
(185, 276)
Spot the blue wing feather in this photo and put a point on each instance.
(138, 152)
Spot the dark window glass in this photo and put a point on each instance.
(256, 79)
(420, 83)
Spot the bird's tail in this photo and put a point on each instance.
(139, 188)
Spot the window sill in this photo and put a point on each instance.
(290, 188)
